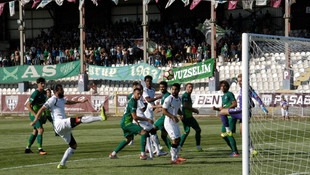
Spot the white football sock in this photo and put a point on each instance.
(66, 156)
(113, 153)
(155, 142)
(90, 119)
(173, 152)
(148, 141)
(227, 129)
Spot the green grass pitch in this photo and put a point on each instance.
(97, 140)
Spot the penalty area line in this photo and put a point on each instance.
(52, 163)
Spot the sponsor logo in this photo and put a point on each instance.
(11, 102)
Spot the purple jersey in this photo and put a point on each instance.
(252, 94)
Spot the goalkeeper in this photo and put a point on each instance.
(237, 112)
(228, 101)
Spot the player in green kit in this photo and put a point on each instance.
(228, 101)
(130, 128)
(36, 101)
(188, 120)
(159, 124)
(135, 85)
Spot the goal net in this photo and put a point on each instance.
(278, 69)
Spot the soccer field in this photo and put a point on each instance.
(97, 140)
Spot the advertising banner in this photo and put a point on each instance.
(17, 103)
(293, 99)
(195, 71)
(16, 74)
(131, 72)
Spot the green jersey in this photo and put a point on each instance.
(37, 99)
(227, 99)
(129, 96)
(186, 98)
(164, 97)
(130, 108)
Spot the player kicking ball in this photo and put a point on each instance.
(171, 108)
(130, 129)
(63, 126)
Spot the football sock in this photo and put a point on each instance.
(121, 146)
(32, 138)
(197, 137)
(155, 142)
(251, 146)
(227, 141)
(232, 143)
(143, 142)
(40, 140)
(167, 141)
(90, 119)
(113, 153)
(66, 156)
(183, 138)
(227, 129)
(148, 146)
(174, 151)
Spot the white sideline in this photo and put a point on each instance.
(51, 163)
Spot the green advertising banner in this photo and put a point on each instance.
(131, 72)
(192, 72)
(16, 74)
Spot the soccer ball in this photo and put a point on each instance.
(169, 74)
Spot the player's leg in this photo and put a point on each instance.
(40, 140)
(224, 113)
(68, 137)
(159, 125)
(154, 139)
(194, 124)
(223, 130)
(232, 141)
(31, 140)
(187, 128)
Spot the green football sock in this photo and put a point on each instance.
(40, 140)
(233, 143)
(167, 141)
(143, 142)
(227, 141)
(32, 138)
(197, 136)
(183, 138)
(121, 146)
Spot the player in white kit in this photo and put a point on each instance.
(284, 108)
(63, 126)
(149, 97)
(171, 108)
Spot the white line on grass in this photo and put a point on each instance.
(51, 163)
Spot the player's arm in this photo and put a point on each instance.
(37, 116)
(136, 118)
(69, 102)
(181, 114)
(233, 104)
(29, 107)
(149, 100)
(257, 98)
(189, 107)
(166, 113)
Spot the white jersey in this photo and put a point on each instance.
(172, 105)
(140, 106)
(151, 94)
(57, 106)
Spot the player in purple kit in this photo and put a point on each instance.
(236, 113)
(284, 108)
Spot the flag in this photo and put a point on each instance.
(35, 3)
(115, 1)
(205, 28)
(247, 4)
(291, 2)
(43, 3)
(232, 5)
(1, 8)
(186, 2)
(194, 4)
(95, 2)
(59, 2)
(71, 1)
(261, 2)
(169, 3)
(275, 3)
(81, 4)
(146, 1)
(12, 8)
(24, 2)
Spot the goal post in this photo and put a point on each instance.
(278, 69)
